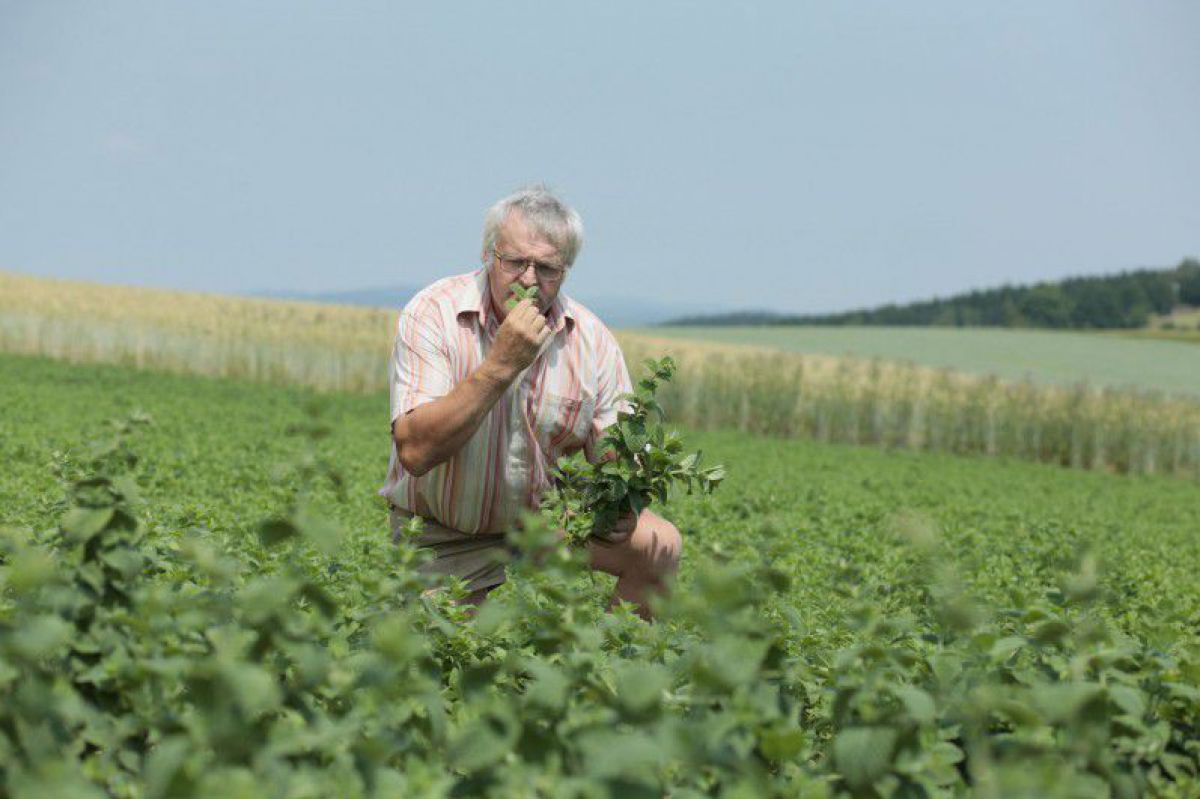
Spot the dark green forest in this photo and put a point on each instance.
(1124, 300)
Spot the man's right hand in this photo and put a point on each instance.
(520, 338)
(432, 432)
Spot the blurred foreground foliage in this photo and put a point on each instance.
(138, 662)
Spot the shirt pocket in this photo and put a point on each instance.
(564, 421)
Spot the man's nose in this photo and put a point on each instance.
(528, 275)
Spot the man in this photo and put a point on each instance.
(485, 400)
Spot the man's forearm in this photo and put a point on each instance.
(432, 433)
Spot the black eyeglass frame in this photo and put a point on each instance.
(540, 268)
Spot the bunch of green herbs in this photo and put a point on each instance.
(640, 461)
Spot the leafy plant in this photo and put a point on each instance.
(823, 641)
(519, 293)
(641, 461)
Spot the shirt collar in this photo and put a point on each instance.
(474, 299)
(561, 312)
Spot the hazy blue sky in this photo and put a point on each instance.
(776, 155)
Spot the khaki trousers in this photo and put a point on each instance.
(471, 558)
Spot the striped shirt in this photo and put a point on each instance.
(562, 403)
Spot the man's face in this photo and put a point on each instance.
(519, 241)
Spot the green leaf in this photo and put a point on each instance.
(519, 293)
(1005, 647)
(92, 575)
(918, 703)
(275, 531)
(946, 753)
(548, 688)
(253, 688)
(483, 742)
(1129, 699)
(265, 598)
(164, 766)
(1064, 702)
(320, 599)
(320, 531)
(127, 562)
(1019, 713)
(127, 487)
(640, 686)
(40, 636)
(783, 744)
(864, 754)
(1051, 631)
(946, 667)
(29, 570)
(635, 435)
(83, 524)
(728, 662)
(619, 753)
(477, 678)
(397, 639)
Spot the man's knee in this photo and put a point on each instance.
(661, 545)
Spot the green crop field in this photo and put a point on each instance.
(848, 622)
(1043, 356)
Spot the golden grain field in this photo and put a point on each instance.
(840, 399)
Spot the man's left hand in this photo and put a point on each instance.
(623, 528)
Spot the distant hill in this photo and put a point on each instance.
(614, 311)
(385, 297)
(1126, 300)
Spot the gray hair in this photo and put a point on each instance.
(544, 212)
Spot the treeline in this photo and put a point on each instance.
(1125, 300)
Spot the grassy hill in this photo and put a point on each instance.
(1042, 356)
(1128, 300)
(1181, 324)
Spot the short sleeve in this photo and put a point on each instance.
(612, 381)
(419, 370)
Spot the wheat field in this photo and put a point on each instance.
(828, 398)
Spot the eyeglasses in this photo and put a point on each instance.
(547, 273)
